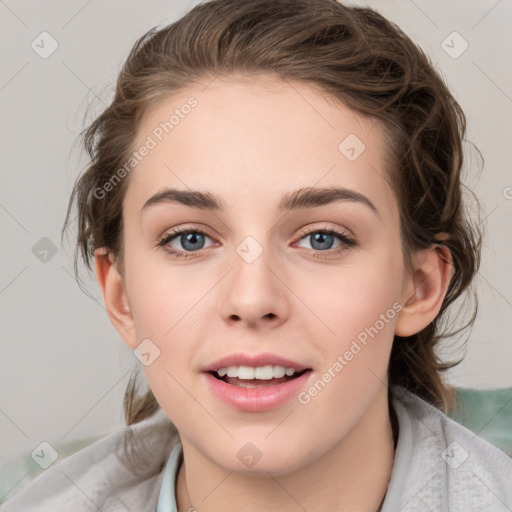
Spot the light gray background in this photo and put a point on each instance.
(63, 367)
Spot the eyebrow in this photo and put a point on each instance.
(299, 199)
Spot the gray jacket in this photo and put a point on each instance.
(439, 466)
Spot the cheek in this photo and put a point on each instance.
(163, 295)
(356, 298)
(360, 310)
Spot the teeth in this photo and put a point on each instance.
(245, 372)
(232, 371)
(263, 372)
(260, 372)
(280, 371)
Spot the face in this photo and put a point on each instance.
(265, 280)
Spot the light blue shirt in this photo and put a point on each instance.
(167, 498)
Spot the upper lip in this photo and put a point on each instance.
(254, 361)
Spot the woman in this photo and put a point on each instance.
(273, 208)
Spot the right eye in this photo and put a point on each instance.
(191, 239)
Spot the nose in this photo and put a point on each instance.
(254, 292)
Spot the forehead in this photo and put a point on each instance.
(250, 141)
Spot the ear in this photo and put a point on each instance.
(114, 295)
(424, 290)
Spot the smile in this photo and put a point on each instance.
(255, 387)
(267, 372)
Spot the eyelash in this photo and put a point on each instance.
(343, 237)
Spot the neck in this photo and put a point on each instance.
(353, 475)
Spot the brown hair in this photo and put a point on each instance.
(353, 54)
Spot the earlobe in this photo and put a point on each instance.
(425, 290)
(114, 295)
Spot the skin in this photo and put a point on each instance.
(249, 143)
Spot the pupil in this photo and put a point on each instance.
(319, 238)
(191, 238)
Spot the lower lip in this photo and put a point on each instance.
(256, 399)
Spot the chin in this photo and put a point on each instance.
(260, 457)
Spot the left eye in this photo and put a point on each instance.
(321, 240)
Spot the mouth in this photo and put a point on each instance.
(256, 383)
(257, 377)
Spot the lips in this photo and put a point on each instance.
(255, 383)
